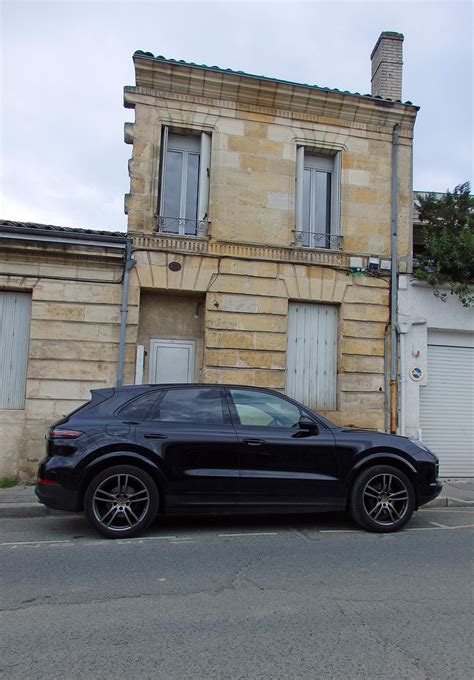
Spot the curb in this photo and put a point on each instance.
(448, 502)
(31, 510)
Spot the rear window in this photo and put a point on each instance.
(139, 408)
(192, 405)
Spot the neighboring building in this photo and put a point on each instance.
(436, 349)
(254, 207)
(251, 201)
(60, 295)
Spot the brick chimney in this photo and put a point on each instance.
(387, 62)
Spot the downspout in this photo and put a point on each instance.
(386, 386)
(393, 283)
(128, 266)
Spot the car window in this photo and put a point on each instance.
(139, 408)
(264, 410)
(193, 405)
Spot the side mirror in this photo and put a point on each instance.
(308, 425)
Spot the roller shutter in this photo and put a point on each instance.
(447, 408)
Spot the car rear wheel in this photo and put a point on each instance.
(121, 501)
(382, 499)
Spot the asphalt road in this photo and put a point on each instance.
(289, 597)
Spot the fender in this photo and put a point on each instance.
(381, 456)
(114, 456)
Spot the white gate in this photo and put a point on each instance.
(311, 363)
(447, 406)
(171, 361)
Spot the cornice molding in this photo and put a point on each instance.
(248, 251)
(242, 89)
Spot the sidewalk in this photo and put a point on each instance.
(20, 501)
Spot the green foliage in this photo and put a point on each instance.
(7, 482)
(447, 257)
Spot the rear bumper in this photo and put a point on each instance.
(57, 497)
(430, 492)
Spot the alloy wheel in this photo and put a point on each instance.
(120, 502)
(385, 499)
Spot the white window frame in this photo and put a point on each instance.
(186, 144)
(314, 161)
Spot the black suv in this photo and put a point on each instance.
(133, 452)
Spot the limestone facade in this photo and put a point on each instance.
(247, 270)
(75, 288)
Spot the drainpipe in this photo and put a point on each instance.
(393, 283)
(386, 379)
(128, 266)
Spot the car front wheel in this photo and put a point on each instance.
(121, 501)
(382, 499)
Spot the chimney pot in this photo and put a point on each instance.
(387, 63)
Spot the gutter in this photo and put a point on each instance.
(393, 283)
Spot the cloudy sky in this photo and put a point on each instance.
(64, 65)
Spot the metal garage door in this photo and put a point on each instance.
(311, 363)
(447, 408)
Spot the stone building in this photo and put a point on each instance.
(255, 206)
(260, 216)
(60, 309)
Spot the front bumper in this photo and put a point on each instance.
(430, 492)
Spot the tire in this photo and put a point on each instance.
(121, 501)
(382, 499)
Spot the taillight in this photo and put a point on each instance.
(64, 434)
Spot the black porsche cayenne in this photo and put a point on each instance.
(133, 452)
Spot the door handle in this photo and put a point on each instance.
(155, 435)
(254, 442)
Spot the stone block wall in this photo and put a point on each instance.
(246, 323)
(253, 170)
(73, 347)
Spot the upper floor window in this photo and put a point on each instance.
(184, 183)
(317, 199)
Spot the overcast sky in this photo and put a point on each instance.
(64, 65)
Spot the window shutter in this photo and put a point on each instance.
(164, 151)
(15, 315)
(299, 236)
(336, 199)
(204, 175)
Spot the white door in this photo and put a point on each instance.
(171, 361)
(311, 363)
(447, 403)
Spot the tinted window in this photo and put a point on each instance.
(264, 410)
(139, 408)
(194, 405)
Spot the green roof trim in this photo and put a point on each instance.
(217, 69)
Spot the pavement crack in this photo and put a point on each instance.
(356, 619)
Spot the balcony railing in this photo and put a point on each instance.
(182, 227)
(309, 239)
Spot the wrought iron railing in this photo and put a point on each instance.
(180, 226)
(309, 239)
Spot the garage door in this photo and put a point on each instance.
(447, 408)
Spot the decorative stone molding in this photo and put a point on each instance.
(252, 251)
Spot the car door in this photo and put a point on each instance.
(281, 464)
(190, 429)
